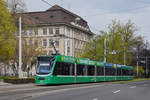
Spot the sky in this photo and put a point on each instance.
(100, 13)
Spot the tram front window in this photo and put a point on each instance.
(44, 68)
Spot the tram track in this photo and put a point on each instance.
(39, 89)
(25, 93)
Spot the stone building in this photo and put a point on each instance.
(68, 30)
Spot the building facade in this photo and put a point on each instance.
(68, 30)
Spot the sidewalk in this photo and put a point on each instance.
(7, 87)
(4, 84)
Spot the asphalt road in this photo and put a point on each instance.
(94, 91)
(128, 91)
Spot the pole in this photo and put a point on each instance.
(146, 68)
(66, 47)
(75, 72)
(105, 53)
(137, 64)
(146, 60)
(124, 56)
(95, 74)
(105, 50)
(20, 49)
(71, 44)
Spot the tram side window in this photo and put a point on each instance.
(130, 72)
(100, 71)
(58, 69)
(62, 68)
(108, 71)
(81, 69)
(71, 69)
(113, 71)
(125, 72)
(118, 71)
(90, 70)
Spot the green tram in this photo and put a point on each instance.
(59, 69)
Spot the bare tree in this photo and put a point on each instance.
(30, 52)
(16, 6)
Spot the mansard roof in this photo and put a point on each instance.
(55, 15)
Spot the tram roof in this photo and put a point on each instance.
(45, 56)
(69, 59)
(126, 67)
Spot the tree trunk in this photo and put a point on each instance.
(5, 70)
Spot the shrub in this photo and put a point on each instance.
(1, 78)
(15, 80)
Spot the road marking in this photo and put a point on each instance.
(132, 86)
(116, 91)
(145, 84)
(62, 90)
(95, 99)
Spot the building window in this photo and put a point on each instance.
(51, 31)
(57, 43)
(44, 52)
(50, 41)
(50, 51)
(36, 31)
(44, 42)
(68, 32)
(30, 42)
(57, 30)
(25, 42)
(36, 42)
(30, 32)
(44, 31)
(25, 32)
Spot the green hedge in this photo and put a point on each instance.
(1, 78)
(19, 80)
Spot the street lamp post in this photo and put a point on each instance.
(146, 60)
(137, 57)
(66, 46)
(137, 65)
(20, 49)
(146, 67)
(105, 59)
(124, 56)
(105, 54)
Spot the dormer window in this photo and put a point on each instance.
(65, 18)
(36, 17)
(51, 16)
